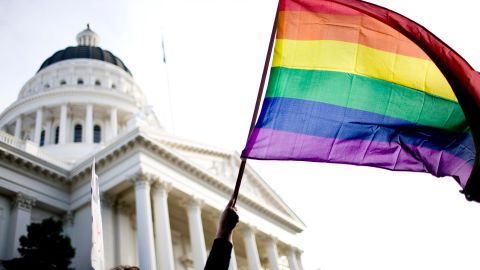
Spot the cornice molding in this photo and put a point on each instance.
(27, 163)
(194, 148)
(262, 185)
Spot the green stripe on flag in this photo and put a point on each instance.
(368, 94)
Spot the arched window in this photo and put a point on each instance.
(77, 133)
(57, 132)
(97, 134)
(80, 81)
(42, 138)
(98, 83)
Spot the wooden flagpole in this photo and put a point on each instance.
(241, 169)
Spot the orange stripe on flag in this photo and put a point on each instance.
(299, 25)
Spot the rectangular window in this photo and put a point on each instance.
(97, 134)
(77, 133)
(57, 131)
(42, 138)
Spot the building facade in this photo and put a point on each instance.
(161, 195)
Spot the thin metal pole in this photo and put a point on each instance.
(241, 169)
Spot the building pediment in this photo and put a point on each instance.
(224, 166)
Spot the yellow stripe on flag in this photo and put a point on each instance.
(355, 58)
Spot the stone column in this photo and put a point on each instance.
(108, 221)
(196, 232)
(48, 129)
(62, 136)
(251, 249)
(299, 260)
(113, 122)
(38, 126)
(163, 235)
(272, 253)
(20, 219)
(89, 124)
(233, 261)
(123, 235)
(18, 127)
(292, 259)
(143, 207)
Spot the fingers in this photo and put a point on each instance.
(230, 203)
(232, 210)
(232, 217)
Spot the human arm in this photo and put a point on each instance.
(219, 257)
(228, 221)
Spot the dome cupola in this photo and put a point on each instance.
(88, 38)
(87, 49)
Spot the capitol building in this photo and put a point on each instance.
(161, 195)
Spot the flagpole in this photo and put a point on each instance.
(241, 169)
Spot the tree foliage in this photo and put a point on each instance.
(44, 247)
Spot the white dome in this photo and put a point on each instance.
(77, 102)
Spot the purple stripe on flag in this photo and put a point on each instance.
(281, 145)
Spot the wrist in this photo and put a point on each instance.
(227, 235)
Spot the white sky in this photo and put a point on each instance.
(357, 217)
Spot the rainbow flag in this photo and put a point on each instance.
(347, 87)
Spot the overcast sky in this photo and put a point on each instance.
(357, 218)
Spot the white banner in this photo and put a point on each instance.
(97, 256)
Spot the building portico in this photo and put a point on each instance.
(161, 195)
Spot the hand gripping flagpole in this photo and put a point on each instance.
(241, 169)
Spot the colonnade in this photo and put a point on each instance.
(63, 124)
(154, 233)
(154, 236)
